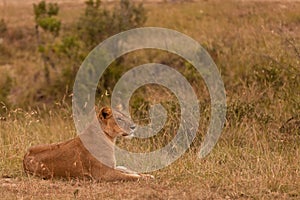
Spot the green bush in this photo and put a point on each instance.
(45, 18)
(98, 23)
(69, 49)
(94, 25)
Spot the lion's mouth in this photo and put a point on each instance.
(125, 134)
(128, 135)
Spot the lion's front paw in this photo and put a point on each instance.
(146, 176)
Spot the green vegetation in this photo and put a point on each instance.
(62, 52)
(45, 19)
(256, 47)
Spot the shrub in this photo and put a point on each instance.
(94, 25)
(98, 23)
(45, 18)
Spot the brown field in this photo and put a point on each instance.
(256, 45)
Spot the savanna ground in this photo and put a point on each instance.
(256, 46)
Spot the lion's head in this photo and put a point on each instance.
(109, 125)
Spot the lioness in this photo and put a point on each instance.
(71, 158)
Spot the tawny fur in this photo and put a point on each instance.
(71, 159)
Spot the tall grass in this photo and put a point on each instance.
(256, 46)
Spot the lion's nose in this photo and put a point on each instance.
(132, 127)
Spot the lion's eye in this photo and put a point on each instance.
(119, 119)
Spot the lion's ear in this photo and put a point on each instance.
(105, 113)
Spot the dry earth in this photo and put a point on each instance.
(41, 189)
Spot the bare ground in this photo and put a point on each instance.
(32, 188)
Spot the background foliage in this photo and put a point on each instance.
(255, 45)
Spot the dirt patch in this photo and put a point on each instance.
(32, 188)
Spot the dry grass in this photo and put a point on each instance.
(250, 161)
(256, 46)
